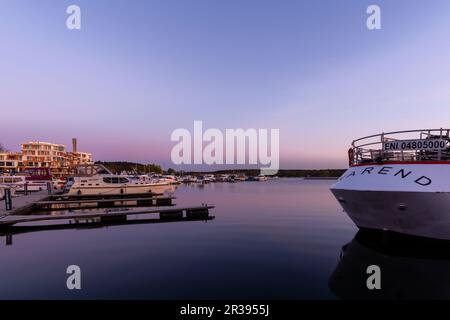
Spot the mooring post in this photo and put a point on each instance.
(25, 189)
(8, 199)
(50, 187)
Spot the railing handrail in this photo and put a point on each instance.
(365, 151)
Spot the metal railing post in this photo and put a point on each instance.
(50, 187)
(8, 199)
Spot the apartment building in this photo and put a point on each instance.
(10, 161)
(38, 154)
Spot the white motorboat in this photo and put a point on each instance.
(189, 179)
(168, 178)
(203, 180)
(96, 180)
(399, 181)
(241, 177)
(210, 178)
(222, 178)
(2, 191)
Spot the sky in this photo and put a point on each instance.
(137, 70)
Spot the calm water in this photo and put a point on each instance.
(274, 239)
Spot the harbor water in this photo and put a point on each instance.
(279, 239)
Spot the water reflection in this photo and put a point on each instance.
(411, 268)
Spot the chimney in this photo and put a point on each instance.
(74, 145)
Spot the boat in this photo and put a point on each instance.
(189, 179)
(399, 181)
(169, 179)
(261, 178)
(37, 178)
(19, 182)
(222, 178)
(203, 179)
(95, 179)
(210, 178)
(231, 178)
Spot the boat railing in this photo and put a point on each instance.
(405, 146)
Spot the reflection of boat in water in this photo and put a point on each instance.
(399, 181)
(411, 267)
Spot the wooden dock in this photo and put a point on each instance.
(23, 204)
(37, 202)
(113, 202)
(32, 210)
(108, 216)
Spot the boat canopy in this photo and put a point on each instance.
(88, 170)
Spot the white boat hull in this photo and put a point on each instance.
(124, 189)
(412, 199)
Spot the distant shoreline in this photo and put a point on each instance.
(119, 166)
(322, 174)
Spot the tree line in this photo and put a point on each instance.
(139, 168)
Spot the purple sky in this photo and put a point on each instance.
(138, 70)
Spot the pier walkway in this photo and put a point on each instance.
(181, 212)
(22, 203)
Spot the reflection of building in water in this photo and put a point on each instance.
(410, 268)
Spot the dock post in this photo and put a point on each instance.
(8, 200)
(50, 187)
(25, 189)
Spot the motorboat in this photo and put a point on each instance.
(95, 179)
(20, 182)
(231, 178)
(37, 179)
(241, 177)
(189, 179)
(399, 181)
(222, 178)
(13, 182)
(168, 179)
(203, 179)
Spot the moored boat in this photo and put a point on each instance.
(399, 181)
(261, 178)
(241, 177)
